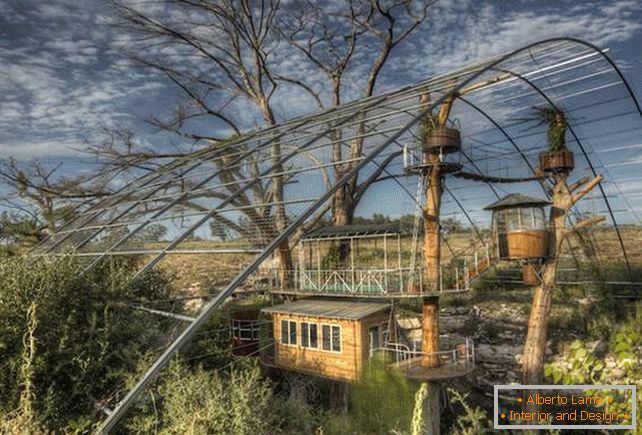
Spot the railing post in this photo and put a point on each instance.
(466, 276)
(456, 278)
(476, 263)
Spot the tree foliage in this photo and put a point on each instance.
(621, 365)
(63, 345)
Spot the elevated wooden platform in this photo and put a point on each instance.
(414, 370)
(367, 295)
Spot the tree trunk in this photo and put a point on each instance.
(432, 239)
(342, 214)
(284, 254)
(535, 345)
(432, 411)
(430, 332)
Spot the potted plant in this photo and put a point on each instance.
(436, 137)
(558, 158)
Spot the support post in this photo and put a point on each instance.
(536, 337)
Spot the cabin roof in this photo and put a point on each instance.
(354, 230)
(517, 200)
(329, 308)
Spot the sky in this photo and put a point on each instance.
(64, 78)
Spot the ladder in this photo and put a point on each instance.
(421, 181)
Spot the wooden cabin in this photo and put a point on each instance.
(519, 227)
(327, 337)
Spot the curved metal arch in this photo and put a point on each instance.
(588, 160)
(508, 137)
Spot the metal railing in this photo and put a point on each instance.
(358, 281)
(458, 359)
(455, 277)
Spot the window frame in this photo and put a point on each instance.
(287, 332)
(307, 337)
(332, 349)
(241, 326)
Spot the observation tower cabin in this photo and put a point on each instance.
(519, 232)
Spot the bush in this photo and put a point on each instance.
(82, 345)
(622, 364)
(189, 400)
(381, 402)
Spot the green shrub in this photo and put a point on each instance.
(83, 344)
(188, 400)
(381, 402)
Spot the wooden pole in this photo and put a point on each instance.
(432, 410)
(432, 248)
(430, 332)
(432, 207)
(535, 345)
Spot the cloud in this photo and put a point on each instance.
(462, 33)
(62, 74)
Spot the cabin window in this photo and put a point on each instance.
(385, 332)
(513, 220)
(331, 337)
(288, 332)
(309, 335)
(245, 330)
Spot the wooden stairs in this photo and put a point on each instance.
(471, 274)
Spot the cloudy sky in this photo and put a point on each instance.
(63, 77)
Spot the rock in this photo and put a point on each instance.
(597, 348)
(452, 323)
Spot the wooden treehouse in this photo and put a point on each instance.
(348, 277)
(335, 339)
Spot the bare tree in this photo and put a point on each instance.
(364, 35)
(40, 191)
(226, 54)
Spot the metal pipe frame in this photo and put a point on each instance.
(211, 306)
(586, 156)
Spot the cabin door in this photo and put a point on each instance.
(373, 334)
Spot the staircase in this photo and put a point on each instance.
(469, 275)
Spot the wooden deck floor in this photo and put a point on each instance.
(414, 370)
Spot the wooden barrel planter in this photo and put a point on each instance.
(557, 161)
(443, 139)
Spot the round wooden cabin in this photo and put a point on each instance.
(519, 227)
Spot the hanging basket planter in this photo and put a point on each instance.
(557, 161)
(443, 139)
